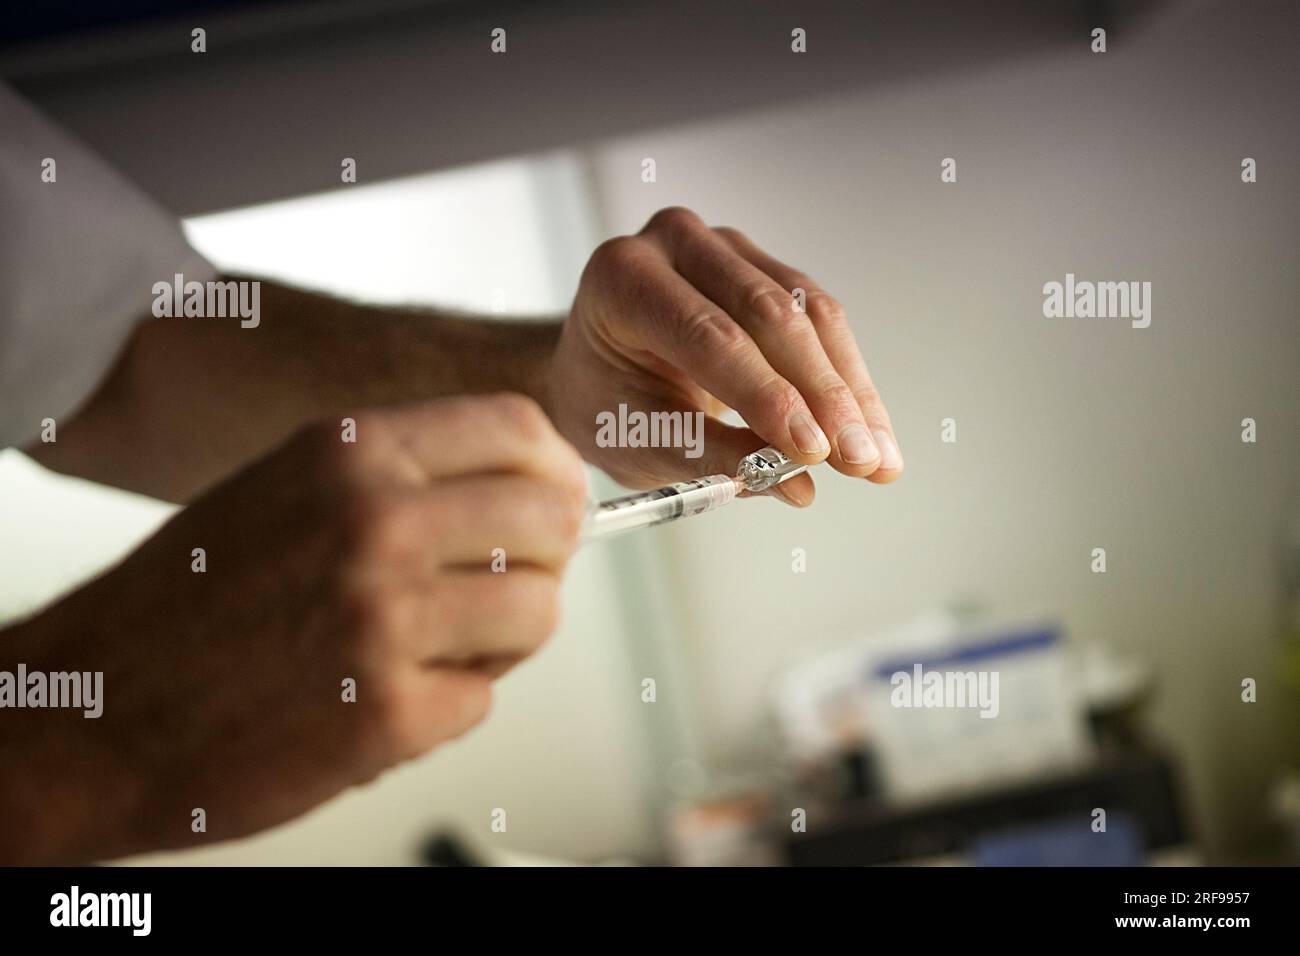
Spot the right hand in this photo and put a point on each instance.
(325, 561)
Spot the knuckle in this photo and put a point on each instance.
(768, 304)
(388, 712)
(781, 400)
(569, 469)
(707, 332)
(569, 483)
(801, 280)
(824, 307)
(835, 392)
(575, 513)
(731, 234)
(866, 395)
(674, 221)
(616, 255)
(568, 509)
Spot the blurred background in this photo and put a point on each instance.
(484, 182)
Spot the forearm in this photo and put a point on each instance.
(192, 399)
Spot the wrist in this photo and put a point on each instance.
(536, 362)
(485, 355)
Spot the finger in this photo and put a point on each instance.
(828, 319)
(713, 448)
(689, 331)
(442, 704)
(723, 447)
(476, 618)
(707, 446)
(494, 667)
(798, 491)
(687, 445)
(472, 521)
(458, 436)
(789, 342)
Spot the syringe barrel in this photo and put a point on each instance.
(648, 508)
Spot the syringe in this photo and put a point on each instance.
(757, 472)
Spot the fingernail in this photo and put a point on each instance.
(856, 447)
(808, 437)
(891, 459)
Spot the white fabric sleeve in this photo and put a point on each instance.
(78, 259)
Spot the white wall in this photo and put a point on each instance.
(1071, 434)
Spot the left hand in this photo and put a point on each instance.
(683, 317)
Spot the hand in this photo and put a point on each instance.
(325, 561)
(681, 317)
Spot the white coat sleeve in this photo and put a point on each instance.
(80, 250)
